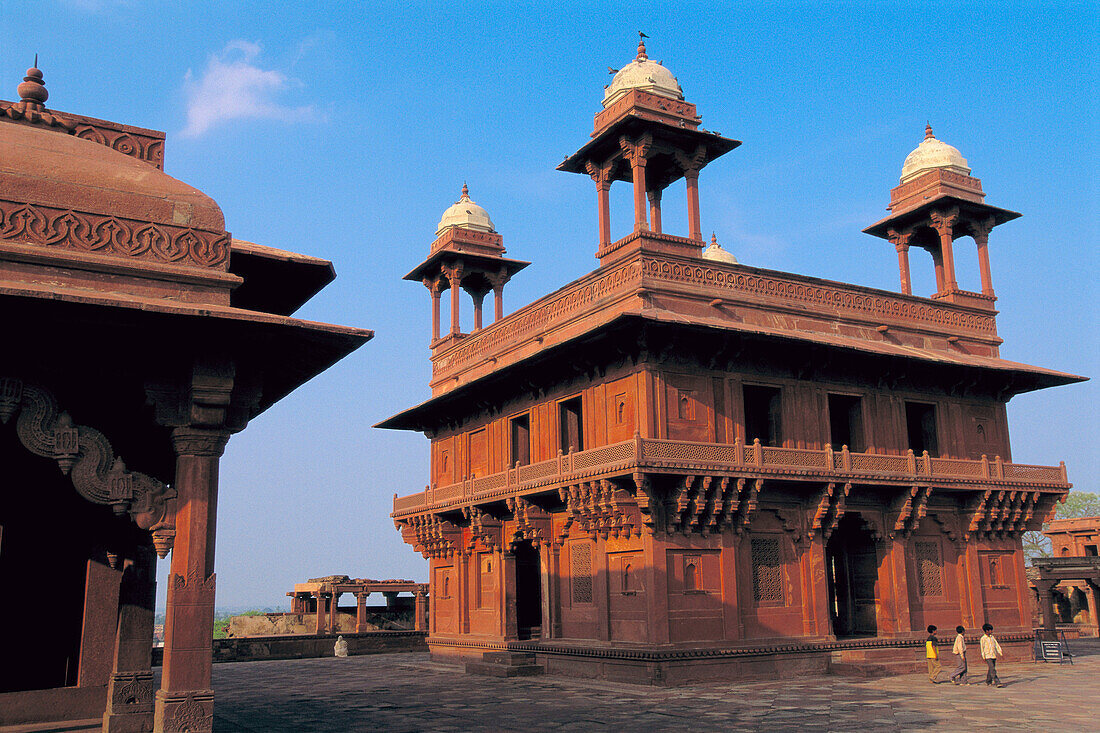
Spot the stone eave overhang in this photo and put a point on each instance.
(615, 335)
(276, 280)
(161, 334)
(606, 144)
(491, 263)
(900, 219)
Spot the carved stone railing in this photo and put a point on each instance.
(768, 288)
(644, 454)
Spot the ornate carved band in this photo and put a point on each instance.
(199, 442)
(86, 456)
(112, 235)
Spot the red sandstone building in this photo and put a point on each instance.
(681, 468)
(138, 337)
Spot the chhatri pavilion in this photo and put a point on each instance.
(139, 336)
(680, 468)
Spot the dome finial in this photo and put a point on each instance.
(465, 191)
(714, 239)
(928, 131)
(641, 46)
(33, 90)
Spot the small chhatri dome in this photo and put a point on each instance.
(641, 73)
(33, 89)
(715, 252)
(932, 153)
(465, 214)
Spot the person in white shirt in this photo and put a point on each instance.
(958, 675)
(990, 651)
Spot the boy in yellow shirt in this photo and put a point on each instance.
(933, 655)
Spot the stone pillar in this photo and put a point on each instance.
(462, 564)
(601, 175)
(320, 613)
(130, 688)
(695, 229)
(981, 238)
(900, 587)
(1046, 605)
(479, 298)
(454, 277)
(508, 576)
(434, 286)
(334, 604)
(498, 282)
(361, 612)
(819, 573)
(185, 700)
(421, 611)
(901, 244)
(655, 210)
(937, 263)
(943, 223)
(637, 169)
(554, 559)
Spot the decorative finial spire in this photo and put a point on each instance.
(33, 90)
(928, 131)
(465, 191)
(713, 239)
(641, 46)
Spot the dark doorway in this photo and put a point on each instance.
(920, 424)
(528, 591)
(852, 561)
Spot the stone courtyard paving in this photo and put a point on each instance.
(400, 693)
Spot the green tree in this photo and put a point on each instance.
(1078, 504)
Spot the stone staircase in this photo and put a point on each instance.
(505, 664)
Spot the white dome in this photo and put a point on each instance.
(465, 214)
(715, 253)
(930, 154)
(641, 73)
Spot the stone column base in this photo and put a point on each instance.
(184, 711)
(129, 703)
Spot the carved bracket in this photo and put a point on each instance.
(909, 510)
(85, 455)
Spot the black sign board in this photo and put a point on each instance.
(1052, 651)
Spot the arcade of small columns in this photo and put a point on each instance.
(327, 605)
(636, 152)
(477, 282)
(947, 224)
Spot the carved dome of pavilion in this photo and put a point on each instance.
(465, 214)
(931, 154)
(641, 73)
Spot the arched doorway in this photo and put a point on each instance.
(528, 591)
(852, 565)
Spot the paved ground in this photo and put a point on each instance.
(400, 693)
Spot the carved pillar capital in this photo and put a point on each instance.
(199, 441)
(980, 229)
(943, 221)
(600, 173)
(901, 239)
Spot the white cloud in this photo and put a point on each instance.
(234, 87)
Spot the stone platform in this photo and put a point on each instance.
(402, 693)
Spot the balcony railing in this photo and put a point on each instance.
(645, 454)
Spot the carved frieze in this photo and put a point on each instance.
(110, 235)
(86, 455)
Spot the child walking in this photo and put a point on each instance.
(958, 675)
(990, 651)
(933, 653)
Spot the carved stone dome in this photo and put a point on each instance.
(465, 214)
(641, 73)
(930, 154)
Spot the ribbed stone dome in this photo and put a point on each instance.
(930, 154)
(641, 73)
(465, 214)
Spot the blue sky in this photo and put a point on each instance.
(344, 132)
